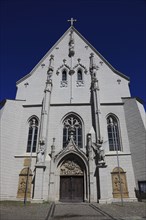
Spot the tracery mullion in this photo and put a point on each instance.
(77, 136)
(113, 137)
(113, 134)
(66, 134)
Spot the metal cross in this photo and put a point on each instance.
(72, 21)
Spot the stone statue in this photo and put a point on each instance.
(99, 153)
(51, 66)
(71, 44)
(41, 154)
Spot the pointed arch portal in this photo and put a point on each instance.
(72, 179)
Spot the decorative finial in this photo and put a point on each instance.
(72, 21)
(53, 148)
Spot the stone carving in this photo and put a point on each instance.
(89, 147)
(41, 154)
(42, 141)
(71, 44)
(93, 68)
(42, 65)
(22, 183)
(80, 65)
(53, 149)
(48, 85)
(62, 66)
(24, 172)
(71, 70)
(99, 152)
(63, 83)
(51, 66)
(119, 81)
(116, 181)
(26, 84)
(101, 63)
(79, 83)
(71, 168)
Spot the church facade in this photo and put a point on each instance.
(68, 136)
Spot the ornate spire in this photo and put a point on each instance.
(53, 148)
(51, 66)
(93, 66)
(93, 72)
(71, 44)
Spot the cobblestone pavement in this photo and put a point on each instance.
(72, 211)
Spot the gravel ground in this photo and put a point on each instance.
(129, 210)
(19, 211)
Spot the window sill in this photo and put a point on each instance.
(114, 153)
(26, 155)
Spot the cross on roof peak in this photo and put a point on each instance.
(72, 21)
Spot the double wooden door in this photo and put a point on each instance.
(71, 188)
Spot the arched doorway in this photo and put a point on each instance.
(72, 179)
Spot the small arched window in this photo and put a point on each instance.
(72, 129)
(79, 75)
(32, 135)
(113, 133)
(64, 75)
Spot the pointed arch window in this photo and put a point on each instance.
(64, 75)
(32, 135)
(113, 133)
(79, 75)
(72, 129)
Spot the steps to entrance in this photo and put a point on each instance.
(76, 211)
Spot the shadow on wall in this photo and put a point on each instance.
(141, 196)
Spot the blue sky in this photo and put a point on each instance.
(29, 28)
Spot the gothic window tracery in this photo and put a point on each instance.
(72, 129)
(113, 133)
(32, 134)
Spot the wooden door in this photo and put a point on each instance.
(71, 188)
